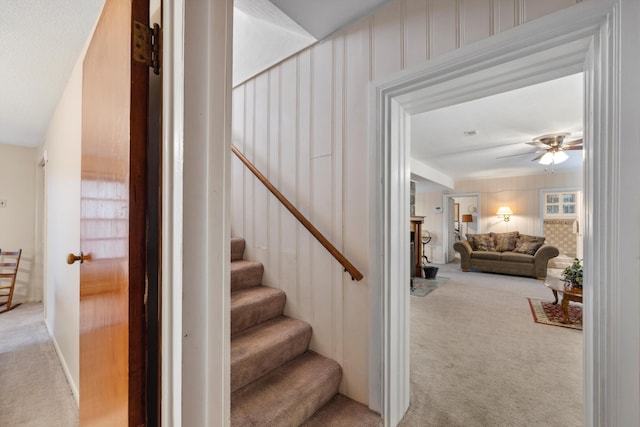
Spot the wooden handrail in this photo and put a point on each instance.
(355, 274)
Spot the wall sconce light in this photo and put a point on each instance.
(467, 218)
(505, 213)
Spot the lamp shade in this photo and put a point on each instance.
(504, 210)
(467, 218)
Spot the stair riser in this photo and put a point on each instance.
(256, 312)
(256, 364)
(246, 277)
(289, 395)
(237, 249)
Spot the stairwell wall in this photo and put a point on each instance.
(303, 123)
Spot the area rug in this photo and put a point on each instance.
(547, 313)
(423, 287)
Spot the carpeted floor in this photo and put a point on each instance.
(423, 287)
(34, 391)
(479, 359)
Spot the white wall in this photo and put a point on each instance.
(521, 194)
(303, 123)
(17, 220)
(63, 147)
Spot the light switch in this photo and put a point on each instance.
(3, 203)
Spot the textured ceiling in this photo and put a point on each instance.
(40, 42)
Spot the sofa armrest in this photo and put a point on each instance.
(541, 259)
(463, 247)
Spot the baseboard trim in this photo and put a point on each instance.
(65, 368)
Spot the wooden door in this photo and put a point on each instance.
(113, 216)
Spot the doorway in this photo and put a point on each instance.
(525, 56)
(460, 220)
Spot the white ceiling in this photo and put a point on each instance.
(40, 42)
(504, 123)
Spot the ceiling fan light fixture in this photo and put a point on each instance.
(553, 157)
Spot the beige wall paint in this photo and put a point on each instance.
(303, 123)
(63, 147)
(17, 219)
(521, 194)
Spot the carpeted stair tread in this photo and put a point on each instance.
(288, 395)
(343, 412)
(260, 349)
(245, 274)
(255, 305)
(237, 248)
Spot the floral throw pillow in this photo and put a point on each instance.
(528, 244)
(482, 242)
(505, 241)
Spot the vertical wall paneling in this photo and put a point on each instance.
(250, 180)
(322, 82)
(321, 262)
(476, 20)
(536, 8)
(274, 248)
(387, 40)
(303, 199)
(442, 23)
(415, 32)
(237, 168)
(321, 126)
(337, 130)
(505, 14)
(260, 159)
(355, 217)
(287, 179)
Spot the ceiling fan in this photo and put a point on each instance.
(552, 148)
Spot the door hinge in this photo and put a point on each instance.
(147, 45)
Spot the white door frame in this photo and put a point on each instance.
(196, 150)
(585, 37)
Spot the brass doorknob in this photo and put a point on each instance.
(71, 258)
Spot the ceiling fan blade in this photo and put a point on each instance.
(538, 157)
(575, 147)
(519, 154)
(576, 142)
(537, 144)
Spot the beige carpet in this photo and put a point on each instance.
(479, 359)
(33, 388)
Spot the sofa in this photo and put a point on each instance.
(507, 253)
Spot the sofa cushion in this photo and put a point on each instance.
(481, 242)
(529, 247)
(516, 257)
(485, 255)
(505, 241)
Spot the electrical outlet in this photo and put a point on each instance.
(3, 203)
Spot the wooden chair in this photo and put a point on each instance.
(9, 262)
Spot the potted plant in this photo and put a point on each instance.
(573, 274)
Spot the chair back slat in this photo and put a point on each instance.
(8, 270)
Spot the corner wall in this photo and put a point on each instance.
(62, 192)
(17, 219)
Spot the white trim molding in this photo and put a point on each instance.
(585, 38)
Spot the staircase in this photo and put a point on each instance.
(275, 379)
